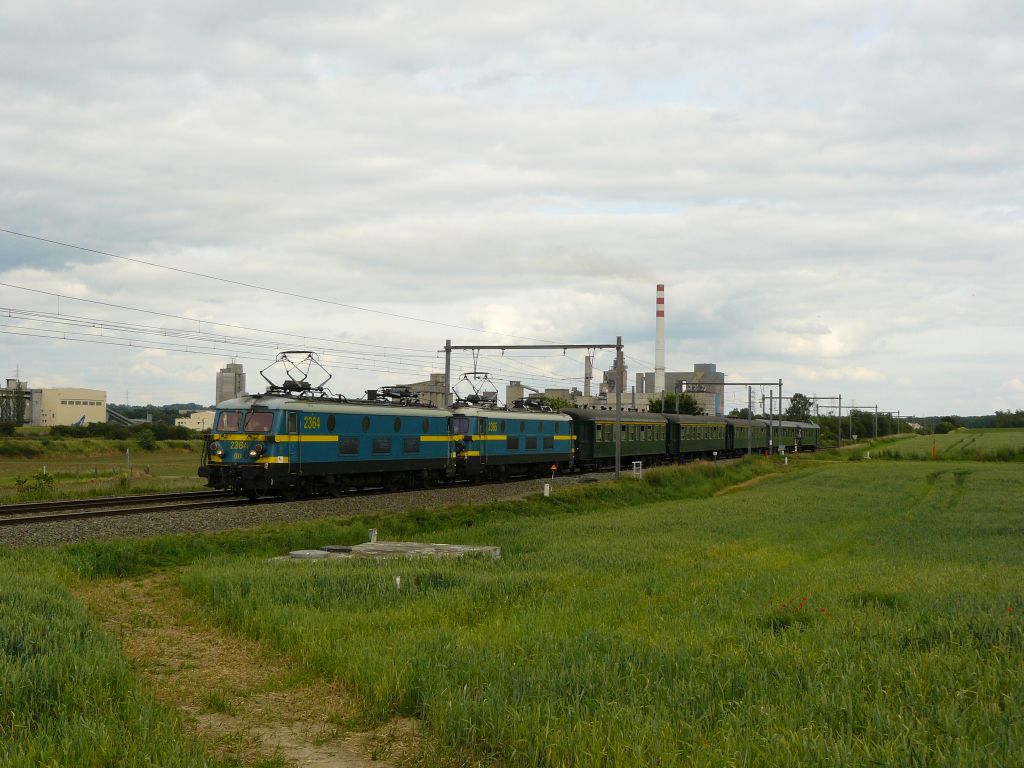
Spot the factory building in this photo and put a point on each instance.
(430, 391)
(67, 406)
(64, 406)
(705, 383)
(230, 382)
(197, 420)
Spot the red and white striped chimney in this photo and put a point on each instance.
(659, 340)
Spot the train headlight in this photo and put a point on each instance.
(216, 450)
(256, 451)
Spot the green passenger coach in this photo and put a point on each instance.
(643, 436)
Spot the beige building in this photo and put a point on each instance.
(67, 406)
(198, 420)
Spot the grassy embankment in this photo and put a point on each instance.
(856, 614)
(77, 467)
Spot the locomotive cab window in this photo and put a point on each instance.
(460, 425)
(228, 421)
(258, 421)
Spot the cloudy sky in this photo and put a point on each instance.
(831, 192)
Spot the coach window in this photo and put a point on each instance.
(398, 424)
(348, 446)
(411, 445)
(512, 443)
(366, 423)
(331, 422)
(426, 425)
(382, 445)
(531, 443)
(293, 423)
(549, 442)
(522, 426)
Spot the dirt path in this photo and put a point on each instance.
(243, 703)
(742, 486)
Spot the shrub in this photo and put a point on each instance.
(146, 439)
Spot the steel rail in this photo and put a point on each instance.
(121, 510)
(107, 501)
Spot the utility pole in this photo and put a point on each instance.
(618, 406)
(447, 373)
(778, 436)
(839, 424)
(750, 420)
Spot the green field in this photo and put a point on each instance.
(95, 467)
(962, 445)
(853, 613)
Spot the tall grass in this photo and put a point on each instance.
(132, 558)
(67, 695)
(962, 445)
(856, 615)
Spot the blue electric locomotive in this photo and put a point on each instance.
(280, 443)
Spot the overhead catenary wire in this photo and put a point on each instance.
(254, 286)
(425, 353)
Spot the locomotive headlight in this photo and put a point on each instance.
(216, 450)
(256, 451)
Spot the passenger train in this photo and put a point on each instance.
(296, 440)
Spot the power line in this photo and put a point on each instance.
(137, 344)
(243, 284)
(201, 322)
(512, 365)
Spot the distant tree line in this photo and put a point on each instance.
(674, 402)
(157, 430)
(1010, 418)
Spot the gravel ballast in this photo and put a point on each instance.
(251, 515)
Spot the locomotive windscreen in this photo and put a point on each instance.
(258, 421)
(228, 421)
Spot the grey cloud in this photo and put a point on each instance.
(536, 170)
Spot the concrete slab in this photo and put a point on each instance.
(382, 549)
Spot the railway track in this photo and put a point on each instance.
(111, 506)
